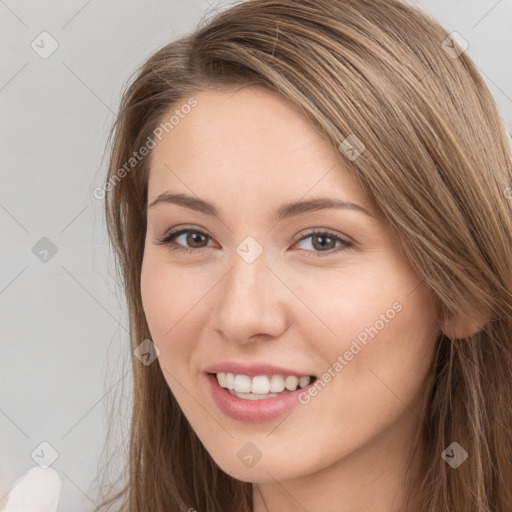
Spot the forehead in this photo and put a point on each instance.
(251, 144)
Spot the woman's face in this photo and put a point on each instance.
(259, 289)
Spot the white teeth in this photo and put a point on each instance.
(261, 384)
(223, 381)
(242, 384)
(291, 383)
(253, 396)
(304, 381)
(230, 380)
(276, 384)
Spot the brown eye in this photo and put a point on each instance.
(193, 239)
(323, 243)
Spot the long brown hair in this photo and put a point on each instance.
(436, 160)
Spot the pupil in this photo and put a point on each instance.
(192, 238)
(321, 245)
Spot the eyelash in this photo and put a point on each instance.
(169, 238)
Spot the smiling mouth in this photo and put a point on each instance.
(261, 386)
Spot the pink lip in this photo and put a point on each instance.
(253, 370)
(253, 411)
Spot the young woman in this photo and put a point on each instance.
(309, 202)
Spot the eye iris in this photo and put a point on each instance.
(320, 237)
(192, 238)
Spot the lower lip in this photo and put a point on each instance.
(253, 411)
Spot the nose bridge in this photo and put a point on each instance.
(249, 301)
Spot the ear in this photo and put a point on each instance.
(464, 325)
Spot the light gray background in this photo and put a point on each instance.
(62, 323)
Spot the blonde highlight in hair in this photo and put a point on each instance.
(437, 162)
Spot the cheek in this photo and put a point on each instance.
(167, 296)
(154, 298)
(371, 324)
(175, 304)
(349, 302)
(375, 366)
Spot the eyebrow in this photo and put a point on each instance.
(285, 211)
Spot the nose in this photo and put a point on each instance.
(250, 303)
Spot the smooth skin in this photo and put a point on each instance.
(300, 304)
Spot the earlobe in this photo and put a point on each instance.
(463, 325)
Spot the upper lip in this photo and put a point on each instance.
(253, 369)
